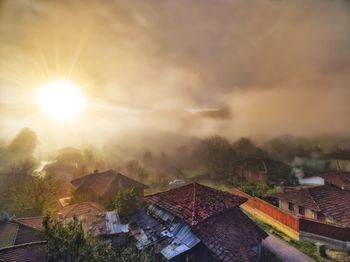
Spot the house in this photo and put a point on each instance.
(86, 213)
(104, 185)
(109, 228)
(80, 210)
(259, 170)
(21, 241)
(197, 223)
(96, 221)
(29, 252)
(325, 203)
(338, 179)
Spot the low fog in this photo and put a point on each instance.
(160, 74)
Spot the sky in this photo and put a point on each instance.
(165, 70)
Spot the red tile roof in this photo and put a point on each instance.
(194, 202)
(330, 200)
(231, 236)
(85, 208)
(33, 222)
(100, 183)
(338, 179)
(29, 252)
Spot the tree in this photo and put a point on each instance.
(218, 156)
(24, 144)
(25, 194)
(126, 202)
(67, 242)
(244, 147)
(36, 196)
(135, 170)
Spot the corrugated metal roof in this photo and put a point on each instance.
(160, 228)
(113, 224)
(107, 223)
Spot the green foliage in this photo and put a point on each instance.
(28, 195)
(129, 254)
(126, 202)
(256, 190)
(67, 242)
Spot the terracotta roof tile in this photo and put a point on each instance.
(231, 236)
(85, 208)
(338, 179)
(330, 200)
(33, 222)
(194, 202)
(100, 182)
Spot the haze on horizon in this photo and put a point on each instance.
(258, 68)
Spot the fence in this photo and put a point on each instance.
(325, 230)
(296, 224)
(274, 212)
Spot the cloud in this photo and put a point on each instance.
(281, 66)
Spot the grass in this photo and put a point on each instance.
(305, 247)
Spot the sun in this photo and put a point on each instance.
(61, 100)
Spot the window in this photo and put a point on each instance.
(301, 210)
(290, 206)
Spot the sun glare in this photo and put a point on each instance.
(61, 100)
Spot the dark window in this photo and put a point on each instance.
(290, 206)
(301, 210)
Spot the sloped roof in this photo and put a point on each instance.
(8, 232)
(29, 252)
(195, 202)
(231, 236)
(338, 179)
(13, 233)
(33, 222)
(100, 182)
(330, 200)
(79, 209)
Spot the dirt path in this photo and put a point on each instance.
(284, 251)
